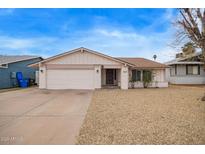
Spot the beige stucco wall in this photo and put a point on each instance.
(119, 77)
(124, 77)
(42, 76)
(97, 76)
(159, 75)
(103, 76)
(83, 58)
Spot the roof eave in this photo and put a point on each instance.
(19, 61)
(151, 67)
(35, 65)
(88, 50)
(184, 63)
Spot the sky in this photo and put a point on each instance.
(116, 32)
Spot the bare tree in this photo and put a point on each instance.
(192, 27)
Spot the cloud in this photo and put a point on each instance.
(24, 43)
(29, 45)
(118, 42)
(117, 34)
(102, 36)
(112, 41)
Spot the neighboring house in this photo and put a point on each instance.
(9, 65)
(186, 70)
(86, 69)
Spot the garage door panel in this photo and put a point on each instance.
(70, 79)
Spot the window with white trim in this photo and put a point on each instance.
(172, 70)
(4, 65)
(192, 69)
(136, 75)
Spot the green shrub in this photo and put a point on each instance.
(147, 78)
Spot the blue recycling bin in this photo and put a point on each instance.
(21, 81)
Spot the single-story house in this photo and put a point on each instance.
(9, 65)
(187, 69)
(87, 69)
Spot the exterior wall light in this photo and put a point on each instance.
(41, 71)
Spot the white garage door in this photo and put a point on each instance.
(70, 79)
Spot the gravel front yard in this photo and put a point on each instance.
(173, 115)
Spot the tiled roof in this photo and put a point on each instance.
(5, 59)
(143, 63)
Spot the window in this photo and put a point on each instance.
(173, 70)
(147, 75)
(133, 75)
(4, 65)
(192, 69)
(13, 75)
(115, 74)
(136, 75)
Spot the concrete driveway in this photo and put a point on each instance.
(33, 116)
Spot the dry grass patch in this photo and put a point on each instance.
(174, 115)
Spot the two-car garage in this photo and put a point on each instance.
(70, 79)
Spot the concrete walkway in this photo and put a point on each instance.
(33, 116)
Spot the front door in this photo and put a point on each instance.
(109, 76)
